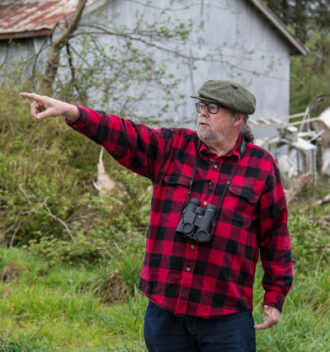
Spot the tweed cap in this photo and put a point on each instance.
(229, 94)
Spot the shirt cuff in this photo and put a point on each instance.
(80, 118)
(274, 299)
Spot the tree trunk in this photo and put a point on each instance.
(300, 19)
(285, 12)
(55, 50)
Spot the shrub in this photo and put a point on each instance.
(309, 232)
(47, 198)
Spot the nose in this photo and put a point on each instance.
(204, 111)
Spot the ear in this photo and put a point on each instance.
(238, 118)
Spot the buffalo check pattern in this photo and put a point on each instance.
(216, 278)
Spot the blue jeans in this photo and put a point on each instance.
(165, 332)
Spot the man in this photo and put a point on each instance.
(217, 202)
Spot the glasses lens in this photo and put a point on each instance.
(212, 108)
(199, 106)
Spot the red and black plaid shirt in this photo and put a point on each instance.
(216, 278)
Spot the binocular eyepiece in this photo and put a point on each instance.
(196, 221)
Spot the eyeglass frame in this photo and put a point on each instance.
(203, 105)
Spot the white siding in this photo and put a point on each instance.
(251, 50)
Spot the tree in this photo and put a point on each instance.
(301, 15)
(310, 76)
(132, 60)
(53, 60)
(281, 8)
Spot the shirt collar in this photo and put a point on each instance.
(204, 151)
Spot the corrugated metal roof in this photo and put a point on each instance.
(32, 18)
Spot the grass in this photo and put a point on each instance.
(304, 325)
(55, 309)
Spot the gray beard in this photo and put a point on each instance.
(210, 137)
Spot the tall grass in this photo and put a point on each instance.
(55, 309)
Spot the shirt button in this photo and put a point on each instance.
(192, 246)
(215, 166)
(205, 203)
(188, 269)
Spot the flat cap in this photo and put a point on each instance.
(229, 94)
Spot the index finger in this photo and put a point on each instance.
(32, 96)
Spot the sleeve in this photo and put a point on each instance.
(274, 242)
(135, 146)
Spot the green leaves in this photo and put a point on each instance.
(309, 236)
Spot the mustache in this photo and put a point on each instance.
(204, 121)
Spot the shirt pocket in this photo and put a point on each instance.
(175, 190)
(240, 207)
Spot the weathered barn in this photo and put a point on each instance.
(240, 40)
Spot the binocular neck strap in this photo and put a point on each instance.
(241, 152)
(193, 173)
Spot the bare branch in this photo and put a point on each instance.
(37, 332)
(25, 194)
(15, 232)
(325, 200)
(165, 8)
(73, 70)
(42, 47)
(81, 57)
(59, 220)
(35, 211)
(298, 186)
(54, 55)
(139, 37)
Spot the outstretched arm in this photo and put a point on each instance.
(135, 146)
(44, 107)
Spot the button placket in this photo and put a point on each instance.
(191, 258)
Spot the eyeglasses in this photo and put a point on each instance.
(212, 108)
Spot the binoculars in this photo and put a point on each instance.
(196, 221)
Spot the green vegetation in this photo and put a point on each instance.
(73, 257)
(56, 309)
(310, 75)
(309, 21)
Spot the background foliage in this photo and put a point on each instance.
(310, 76)
(74, 256)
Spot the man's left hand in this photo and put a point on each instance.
(273, 317)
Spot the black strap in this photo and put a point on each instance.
(241, 152)
(193, 173)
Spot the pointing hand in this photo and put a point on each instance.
(43, 107)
